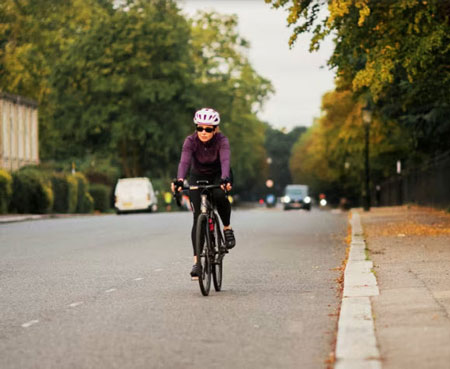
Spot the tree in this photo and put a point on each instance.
(33, 35)
(279, 147)
(123, 88)
(119, 81)
(226, 81)
(330, 156)
(392, 52)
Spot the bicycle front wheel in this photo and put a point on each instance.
(203, 248)
(218, 262)
(217, 273)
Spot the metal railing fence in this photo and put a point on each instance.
(427, 185)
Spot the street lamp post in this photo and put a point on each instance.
(367, 119)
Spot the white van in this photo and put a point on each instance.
(132, 194)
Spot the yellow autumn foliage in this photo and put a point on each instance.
(337, 138)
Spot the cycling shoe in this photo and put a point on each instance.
(196, 271)
(230, 241)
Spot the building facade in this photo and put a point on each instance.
(19, 132)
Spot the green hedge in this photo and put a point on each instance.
(41, 190)
(65, 188)
(5, 191)
(71, 193)
(32, 192)
(101, 195)
(85, 202)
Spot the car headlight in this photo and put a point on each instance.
(323, 202)
(307, 200)
(286, 199)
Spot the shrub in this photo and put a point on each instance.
(65, 188)
(72, 195)
(88, 203)
(101, 196)
(5, 191)
(32, 192)
(85, 202)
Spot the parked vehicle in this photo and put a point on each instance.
(134, 194)
(296, 197)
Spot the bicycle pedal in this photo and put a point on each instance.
(194, 279)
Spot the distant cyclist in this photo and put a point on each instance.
(207, 154)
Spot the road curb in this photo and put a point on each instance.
(356, 346)
(19, 218)
(5, 219)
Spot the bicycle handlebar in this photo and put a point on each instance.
(201, 187)
(196, 187)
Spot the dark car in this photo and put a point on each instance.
(296, 197)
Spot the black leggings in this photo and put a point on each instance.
(220, 200)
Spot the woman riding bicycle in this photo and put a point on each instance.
(207, 154)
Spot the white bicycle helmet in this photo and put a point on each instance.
(207, 116)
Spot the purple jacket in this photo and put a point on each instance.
(209, 158)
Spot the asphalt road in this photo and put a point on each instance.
(115, 292)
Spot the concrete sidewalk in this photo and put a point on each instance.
(410, 250)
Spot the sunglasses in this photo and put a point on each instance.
(207, 129)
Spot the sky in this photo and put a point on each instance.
(299, 77)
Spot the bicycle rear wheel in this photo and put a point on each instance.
(202, 244)
(218, 262)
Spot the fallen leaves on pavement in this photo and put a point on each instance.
(404, 222)
(411, 228)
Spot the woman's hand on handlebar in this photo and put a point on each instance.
(177, 185)
(225, 184)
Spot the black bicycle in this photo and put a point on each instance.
(209, 240)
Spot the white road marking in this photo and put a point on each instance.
(159, 270)
(138, 279)
(75, 304)
(111, 290)
(30, 323)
